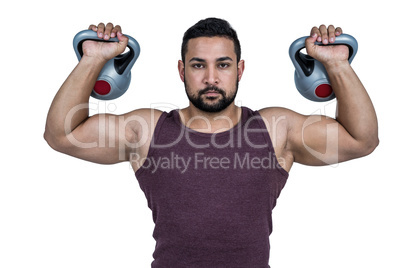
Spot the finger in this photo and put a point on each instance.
(123, 40)
(338, 31)
(115, 30)
(324, 34)
(310, 41)
(331, 33)
(315, 31)
(108, 31)
(101, 29)
(92, 27)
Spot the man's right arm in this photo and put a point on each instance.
(102, 138)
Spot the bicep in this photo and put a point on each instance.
(319, 140)
(109, 139)
(98, 139)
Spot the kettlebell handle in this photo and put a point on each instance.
(123, 62)
(303, 62)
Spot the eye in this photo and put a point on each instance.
(198, 66)
(223, 65)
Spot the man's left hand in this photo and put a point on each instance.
(326, 54)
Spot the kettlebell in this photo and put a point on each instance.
(310, 76)
(114, 78)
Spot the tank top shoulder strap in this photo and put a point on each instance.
(256, 116)
(157, 131)
(155, 138)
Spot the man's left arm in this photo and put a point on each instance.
(318, 140)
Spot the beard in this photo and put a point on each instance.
(218, 106)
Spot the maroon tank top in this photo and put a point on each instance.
(211, 195)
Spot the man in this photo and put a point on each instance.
(212, 172)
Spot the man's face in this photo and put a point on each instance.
(211, 73)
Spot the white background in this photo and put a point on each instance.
(58, 211)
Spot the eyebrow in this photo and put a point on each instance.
(218, 59)
(224, 59)
(197, 59)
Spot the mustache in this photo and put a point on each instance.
(211, 88)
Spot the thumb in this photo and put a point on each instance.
(123, 41)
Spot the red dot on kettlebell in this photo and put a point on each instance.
(323, 91)
(102, 87)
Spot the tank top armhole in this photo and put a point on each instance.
(154, 140)
(270, 144)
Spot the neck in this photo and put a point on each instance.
(206, 122)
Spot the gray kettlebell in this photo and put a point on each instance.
(114, 78)
(310, 76)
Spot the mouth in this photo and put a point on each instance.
(212, 93)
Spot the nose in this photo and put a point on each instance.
(211, 76)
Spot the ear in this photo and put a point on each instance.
(181, 70)
(240, 69)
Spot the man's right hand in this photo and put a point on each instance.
(105, 51)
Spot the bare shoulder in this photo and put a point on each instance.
(277, 112)
(145, 113)
(281, 118)
(140, 127)
(141, 123)
(278, 118)
(278, 121)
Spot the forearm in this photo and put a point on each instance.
(71, 101)
(355, 110)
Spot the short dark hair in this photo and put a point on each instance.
(211, 27)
